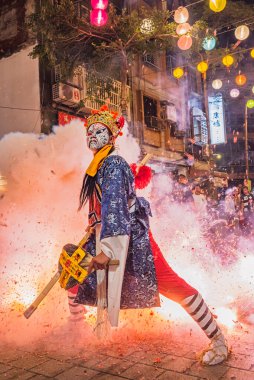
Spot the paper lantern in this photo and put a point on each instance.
(98, 17)
(202, 67)
(147, 26)
(242, 32)
(228, 60)
(250, 103)
(217, 5)
(183, 28)
(234, 93)
(209, 43)
(217, 84)
(178, 72)
(181, 15)
(99, 4)
(240, 79)
(252, 53)
(184, 42)
(252, 89)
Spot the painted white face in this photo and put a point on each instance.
(97, 136)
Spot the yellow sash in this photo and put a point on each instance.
(99, 157)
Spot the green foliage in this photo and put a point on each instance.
(230, 16)
(65, 35)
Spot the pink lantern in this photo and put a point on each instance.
(183, 28)
(98, 17)
(184, 42)
(99, 4)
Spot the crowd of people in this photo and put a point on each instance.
(234, 205)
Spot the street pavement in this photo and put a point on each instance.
(150, 356)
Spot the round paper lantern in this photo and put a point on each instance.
(240, 79)
(217, 5)
(234, 93)
(250, 103)
(184, 42)
(178, 72)
(252, 89)
(252, 53)
(228, 60)
(217, 84)
(202, 67)
(183, 28)
(147, 26)
(98, 17)
(99, 4)
(209, 43)
(242, 32)
(181, 15)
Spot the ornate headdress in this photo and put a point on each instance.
(108, 118)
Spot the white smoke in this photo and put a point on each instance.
(39, 215)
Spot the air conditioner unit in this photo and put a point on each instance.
(66, 94)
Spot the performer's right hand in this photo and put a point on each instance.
(98, 262)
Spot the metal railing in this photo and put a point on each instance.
(98, 93)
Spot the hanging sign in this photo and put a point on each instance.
(216, 119)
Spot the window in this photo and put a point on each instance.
(150, 112)
(151, 60)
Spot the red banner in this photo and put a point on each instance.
(65, 118)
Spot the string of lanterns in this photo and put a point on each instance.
(181, 17)
(99, 17)
(184, 42)
(98, 14)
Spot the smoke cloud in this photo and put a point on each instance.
(40, 185)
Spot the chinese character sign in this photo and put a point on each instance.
(65, 118)
(216, 119)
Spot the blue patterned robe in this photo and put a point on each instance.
(115, 184)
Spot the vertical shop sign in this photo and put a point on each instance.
(216, 119)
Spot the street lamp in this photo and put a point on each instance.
(249, 104)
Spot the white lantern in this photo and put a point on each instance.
(252, 89)
(217, 84)
(234, 93)
(242, 32)
(181, 15)
(147, 26)
(183, 28)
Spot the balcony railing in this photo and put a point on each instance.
(152, 60)
(95, 89)
(159, 134)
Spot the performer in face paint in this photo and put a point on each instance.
(121, 222)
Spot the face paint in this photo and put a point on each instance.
(97, 136)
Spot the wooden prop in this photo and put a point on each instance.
(147, 157)
(71, 270)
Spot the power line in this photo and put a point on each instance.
(196, 2)
(229, 30)
(20, 109)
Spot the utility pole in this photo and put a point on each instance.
(246, 142)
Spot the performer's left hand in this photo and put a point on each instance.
(98, 262)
